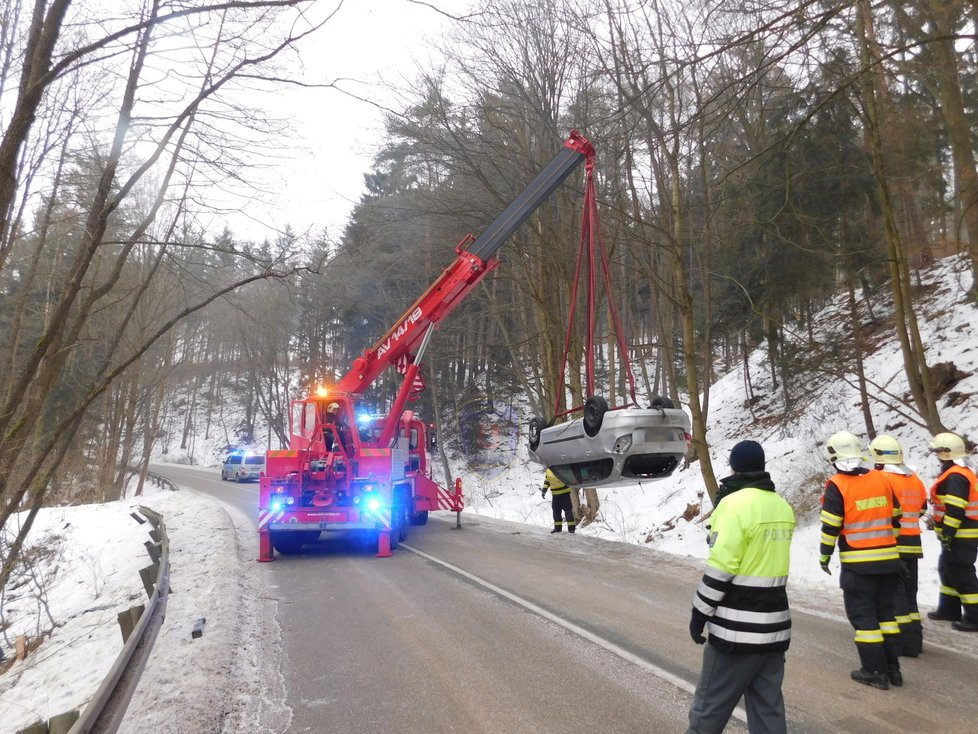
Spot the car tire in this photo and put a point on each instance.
(594, 410)
(537, 425)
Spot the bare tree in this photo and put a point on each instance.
(110, 175)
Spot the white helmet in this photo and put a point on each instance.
(885, 449)
(843, 445)
(948, 446)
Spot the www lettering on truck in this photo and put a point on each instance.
(399, 331)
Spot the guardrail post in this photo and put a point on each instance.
(154, 550)
(61, 724)
(129, 619)
(149, 576)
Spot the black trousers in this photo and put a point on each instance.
(959, 582)
(906, 610)
(868, 599)
(562, 505)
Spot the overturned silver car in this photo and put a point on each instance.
(620, 446)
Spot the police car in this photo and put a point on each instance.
(242, 467)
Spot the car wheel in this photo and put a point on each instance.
(536, 426)
(594, 410)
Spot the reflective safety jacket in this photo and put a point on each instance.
(862, 514)
(556, 487)
(955, 499)
(742, 592)
(912, 494)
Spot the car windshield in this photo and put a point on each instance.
(254, 460)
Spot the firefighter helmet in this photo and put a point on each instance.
(333, 408)
(843, 445)
(948, 446)
(885, 450)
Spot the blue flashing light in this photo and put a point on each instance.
(276, 504)
(373, 504)
(364, 418)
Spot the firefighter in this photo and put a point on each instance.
(955, 499)
(561, 502)
(861, 513)
(887, 457)
(338, 421)
(742, 601)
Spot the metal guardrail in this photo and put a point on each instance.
(106, 709)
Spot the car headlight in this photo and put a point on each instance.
(623, 444)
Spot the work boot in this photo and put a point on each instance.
(965, 626)
(939, 617)
(895, 677)
(874, 680)
(570, 530)
(555, 530)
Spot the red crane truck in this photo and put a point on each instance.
(374, 476)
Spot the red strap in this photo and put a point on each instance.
(593, 242)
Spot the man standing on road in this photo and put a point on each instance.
(561, 502)
(860, 511)
(887, 457)
(955, 500)
(742, 601)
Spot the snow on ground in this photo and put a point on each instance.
(89, 570)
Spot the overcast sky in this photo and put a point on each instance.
(373, 46)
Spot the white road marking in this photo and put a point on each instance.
(680, 683)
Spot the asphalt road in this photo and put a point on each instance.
(500, 627)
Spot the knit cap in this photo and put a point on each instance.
(747, 456)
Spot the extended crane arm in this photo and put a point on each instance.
(469, 268)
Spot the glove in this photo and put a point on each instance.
(945, 538)
(823, 561)
(697, 623)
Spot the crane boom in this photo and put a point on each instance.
(475, 260)
(372, 474)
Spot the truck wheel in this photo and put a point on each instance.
(420, 518)
(396, 520)
(536, 425)
(594, 410)
(288, 542)
(405, 524)
(660, 402)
